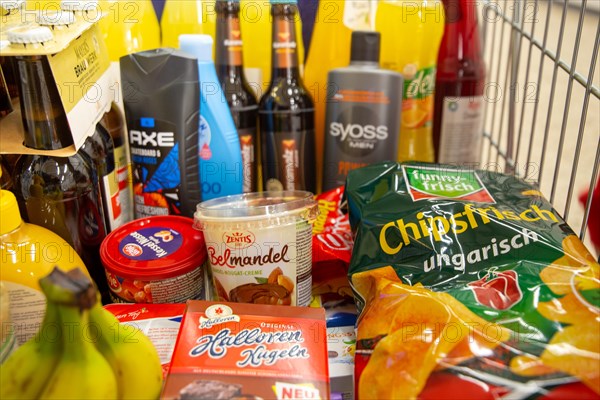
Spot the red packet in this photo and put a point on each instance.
(249, 351)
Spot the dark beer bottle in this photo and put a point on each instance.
(58, 193)
(100, 148)
(238, 93)
(5, 102)
(286, 111)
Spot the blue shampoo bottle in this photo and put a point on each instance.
(221, 167)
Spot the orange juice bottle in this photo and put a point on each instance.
(330, 49)
(255, 19)
(129, 27)
(187, 16)
(411, 33)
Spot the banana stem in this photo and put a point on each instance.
(75, 332)
(71, 288)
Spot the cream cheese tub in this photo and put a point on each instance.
(260, 246)
(157, 259)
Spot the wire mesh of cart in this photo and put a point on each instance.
(542, 97)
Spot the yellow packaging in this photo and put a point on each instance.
(27, 253)
(411, 33)
(330, 49)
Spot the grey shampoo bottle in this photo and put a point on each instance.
(363, 112)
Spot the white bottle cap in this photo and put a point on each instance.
(12, 5)
(199, 46)
(30, 35)
(55, 18)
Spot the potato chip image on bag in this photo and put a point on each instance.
(469, 285)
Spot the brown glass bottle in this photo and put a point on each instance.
(5, 179)
(114, 122)
(286, 112)
(239, 95)
(100, 148)
(5, 102)
(7, 65)
(58, 193)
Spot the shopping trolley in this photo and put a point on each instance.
(542, 114)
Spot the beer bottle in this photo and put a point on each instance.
(240, 97)
(58, 193)
(286, 111)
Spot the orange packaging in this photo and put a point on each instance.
(236, 350)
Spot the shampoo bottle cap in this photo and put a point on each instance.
(199, 46)
(365, 46)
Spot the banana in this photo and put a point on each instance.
(130, 353)
(82, 372)
(25, 373)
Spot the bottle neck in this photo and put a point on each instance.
(284, 59)
(44, 119)
(461, 39)
(228, 58)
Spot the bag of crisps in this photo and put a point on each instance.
(470, 285)
(332, 246)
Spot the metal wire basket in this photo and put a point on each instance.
(542, 114)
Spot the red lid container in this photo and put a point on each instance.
(152, 251)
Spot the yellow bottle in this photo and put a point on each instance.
(129, 27)
(187, 16)
(256, 28)
(28, 252)
(411, 32)
(329, 49)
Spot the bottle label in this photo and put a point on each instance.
(112, 200)
(362, 128)
(417, 106)
(229, 52)
(247, 144)
(27, 309)
(269, 266)
(156, 176)
(150, 243)
(123, 172)
(358, 15)
(284, 44)
(461, 129)
(287, 159)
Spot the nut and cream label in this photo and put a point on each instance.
(262, 266)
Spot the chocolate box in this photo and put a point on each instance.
(249, 351)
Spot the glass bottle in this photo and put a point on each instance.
(460, 80)
(286, 111)
(114, 122)
(100, 148)
(57, 193)
(5, 102)
(238, 93)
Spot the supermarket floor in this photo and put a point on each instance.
(544, 132)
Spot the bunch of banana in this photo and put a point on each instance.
(81, 351)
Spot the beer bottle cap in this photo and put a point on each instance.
(11, 5)
(30, 35)
(365, 46)
(199, 46)
(55, 18)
